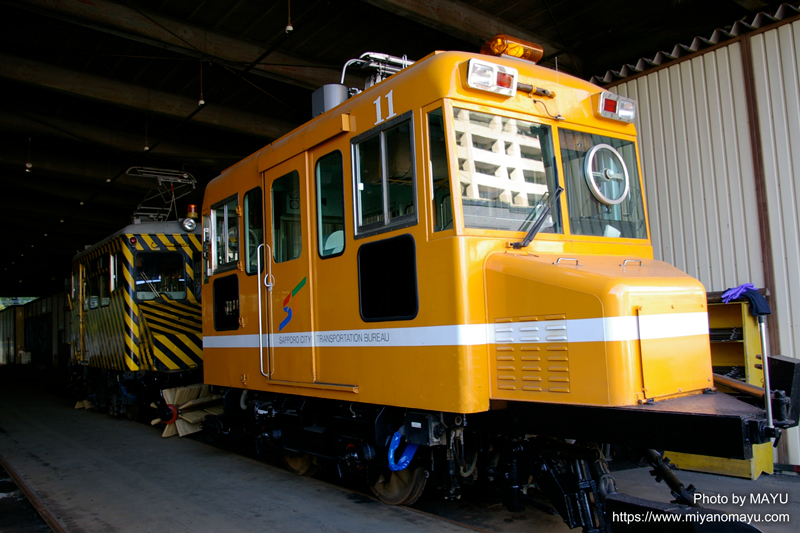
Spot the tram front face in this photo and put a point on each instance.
(621, 317)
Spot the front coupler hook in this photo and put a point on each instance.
(662, 472)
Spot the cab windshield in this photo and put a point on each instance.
(160, 276)
(601, 178)
(506, 170)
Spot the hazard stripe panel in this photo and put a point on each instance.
(121, 333)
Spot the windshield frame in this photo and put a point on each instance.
(635, 173)
(139, 281)
(567, 233)
(552, 175)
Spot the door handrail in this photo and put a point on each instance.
(268, 283)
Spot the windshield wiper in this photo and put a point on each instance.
(152, 287)
(537, 224)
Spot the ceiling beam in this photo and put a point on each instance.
(33, 124)
(193, 41)
(101, 216)
(74, 171)
(136, 97)
(462, 21)
(44, 190)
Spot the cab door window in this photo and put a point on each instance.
(330, 205)
(286, 232)
(253, 229)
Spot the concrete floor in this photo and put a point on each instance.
(97, 473)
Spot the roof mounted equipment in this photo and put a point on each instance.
(382, 65)
(160, 199)
(504, 45)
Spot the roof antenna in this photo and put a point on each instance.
(29, 165)
(556, 70)
(201, 102)
(289, 17)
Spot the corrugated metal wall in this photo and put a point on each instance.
(776, 60)
(700, 179)
(697, 163)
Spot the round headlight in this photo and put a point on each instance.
(188, 224)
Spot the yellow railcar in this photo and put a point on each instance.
(136, 310)
(404, 267)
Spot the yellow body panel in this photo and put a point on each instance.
(599, 302)
(470, 287)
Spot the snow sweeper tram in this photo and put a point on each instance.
(448, 277)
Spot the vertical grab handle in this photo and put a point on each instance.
(269, 281)
(765, 368)
(260, 326)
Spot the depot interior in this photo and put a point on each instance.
(93, 89)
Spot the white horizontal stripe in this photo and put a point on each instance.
(230, 341)
(610, 329)
(673, 325)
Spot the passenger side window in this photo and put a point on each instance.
(253, 229)
(385, 177)
(103, 279)
(286, 232)
(117, 268)
(330, 205)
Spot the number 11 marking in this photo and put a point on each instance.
(389, 98)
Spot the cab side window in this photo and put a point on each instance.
(385, 177)
(440, 174)
(225, 234)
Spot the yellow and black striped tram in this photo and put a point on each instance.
(136, 308)
(448, 277)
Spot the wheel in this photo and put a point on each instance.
(401, 488)
(300, 465)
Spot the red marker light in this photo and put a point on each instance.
(610, 105)
(133, 240)
(504, 80)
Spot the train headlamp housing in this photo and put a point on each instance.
(188, 224)
(614, 107)
(489, 77)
